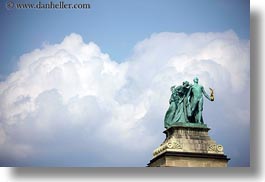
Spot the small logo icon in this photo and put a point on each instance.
(10, 5)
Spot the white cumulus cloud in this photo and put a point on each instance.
(70, 99)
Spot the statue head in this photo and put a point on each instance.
(196, 80)
(186, 84)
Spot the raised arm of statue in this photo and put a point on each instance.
(211, 98)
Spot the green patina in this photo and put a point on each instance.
(186, 105)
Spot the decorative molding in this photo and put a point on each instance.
(172, 143)
(215, 148)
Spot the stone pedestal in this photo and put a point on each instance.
(188, 145)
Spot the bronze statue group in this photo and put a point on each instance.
(186, 104)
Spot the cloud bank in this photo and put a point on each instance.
(70, 104)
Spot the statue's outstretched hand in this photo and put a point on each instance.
(211, 94)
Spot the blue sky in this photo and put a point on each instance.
(116, 25)
(58, 69)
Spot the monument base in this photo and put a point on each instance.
(188, 146)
